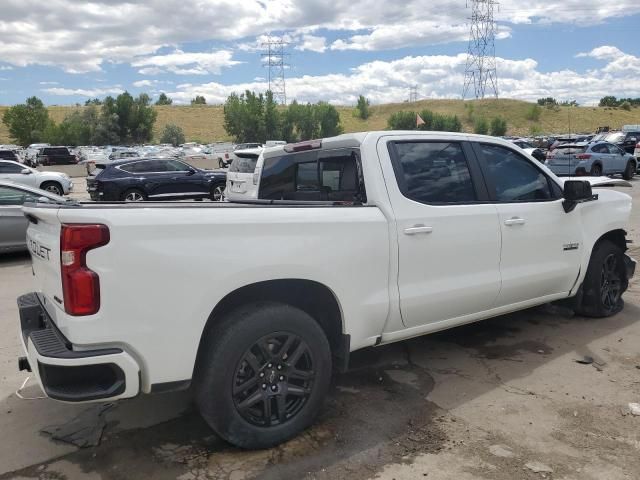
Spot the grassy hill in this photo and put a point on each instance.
(205, 122)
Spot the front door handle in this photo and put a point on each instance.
(416, 229)
(514, 221)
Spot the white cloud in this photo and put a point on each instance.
(48, 83)
(4, 68)
(82, 37)
(81, 92)
(438, 76)
(312, 43)
(186, 63)
(144, 83)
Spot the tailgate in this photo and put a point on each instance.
(43, 240)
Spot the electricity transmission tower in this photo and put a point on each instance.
(413, 93)
(274, 60)
(480, 71)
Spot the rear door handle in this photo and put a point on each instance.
(416, 229)
(514, 221)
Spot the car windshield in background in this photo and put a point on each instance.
(244, 164)
(571, 149)
(615, 137)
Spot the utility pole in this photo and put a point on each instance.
(273, 59)
(480, 71)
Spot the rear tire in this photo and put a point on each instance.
(630, 171)
(52, 187)
(605, 282)
(249, 366)
(596, 170)
(134, 195)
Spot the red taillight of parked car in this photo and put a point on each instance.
(583, 156)
(80, 285)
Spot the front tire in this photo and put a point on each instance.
(630, 171)
(217, 192)
(605, 282)
(52, 187)
(262, 374)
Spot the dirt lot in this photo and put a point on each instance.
(501, 399)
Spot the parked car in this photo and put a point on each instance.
(535, 152)
(120, 154)
(599, 158)
(243, 175)
(226, 158)
(13, 223)
(53, 182)
(626, 140)
(9, 155)
(253, 305)
(153, 179)
(55, 156)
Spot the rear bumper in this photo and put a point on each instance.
(65, 371)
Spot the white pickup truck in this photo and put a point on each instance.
(354, 241)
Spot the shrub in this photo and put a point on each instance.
(625, 106)
(498, 127)
(362, 108)
(172, 134)
(481, 126)
(533, 113)
(402, 120)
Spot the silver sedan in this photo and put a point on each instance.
(13, 224)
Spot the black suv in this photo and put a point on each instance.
(140, 179)
(55, 156)
(625, 140)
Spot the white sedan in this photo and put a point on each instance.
(53, 182)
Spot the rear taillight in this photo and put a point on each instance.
(583, 156)
(80, 285)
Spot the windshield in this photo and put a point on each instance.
(615, 137)
(570, 149)
(244, 164)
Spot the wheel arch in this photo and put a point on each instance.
(617, 236)
(314, 298)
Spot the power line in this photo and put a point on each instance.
(480, 69)
(274, 60)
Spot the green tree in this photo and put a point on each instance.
(172, 134)
(327, 119)
(199, 100)
(163, 99)
(272, 128)
(93, 101)
(498, 127)
(481, 126)
(402, 120)
(362, 108)
(609, 101)
(27, 121)
(547, 102)
(533, 113)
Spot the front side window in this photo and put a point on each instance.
(434, 172)
(514, 177)
(176, 166)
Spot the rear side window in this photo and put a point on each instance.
(138, 167)
(56, 151)
(244, 164)
(514, 177)
(433, 172)
(7, 155)
(327, 175)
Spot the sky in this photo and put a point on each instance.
(66, 51)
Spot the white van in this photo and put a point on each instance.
(244, 174)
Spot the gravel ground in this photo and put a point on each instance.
(500, 399)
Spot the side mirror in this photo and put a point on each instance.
(25, 171)
(575, 192)
(191, 171)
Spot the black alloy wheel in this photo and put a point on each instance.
(274, 379)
